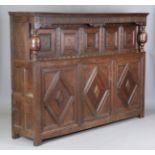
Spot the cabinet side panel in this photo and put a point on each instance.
(22, 102)
(21, 78)
(19, 39)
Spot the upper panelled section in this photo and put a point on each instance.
(76, 34)
(83, 40)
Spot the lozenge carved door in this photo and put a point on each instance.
(128, 83)
(59, 99)
(96, 89)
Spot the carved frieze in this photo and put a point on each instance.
(42, 21)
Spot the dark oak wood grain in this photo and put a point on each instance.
(71, 72)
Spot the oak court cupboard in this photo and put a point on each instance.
(72, 72)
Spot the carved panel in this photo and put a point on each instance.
(69, 42)
(28, 80)
(129, 37)
(128, 83)
(96, 91)
(59, 97)
(91, 39)
(111, 37)
(48, 44)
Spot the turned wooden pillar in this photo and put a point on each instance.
(142, 38)
(35, 44)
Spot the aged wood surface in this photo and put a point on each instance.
(72, 72)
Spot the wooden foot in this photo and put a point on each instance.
(141, 115)
(15, 135)
(37, 142)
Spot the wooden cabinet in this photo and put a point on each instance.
(72, 72)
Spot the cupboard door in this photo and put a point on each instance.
(96, 89)
(128, 82)
(59, 107)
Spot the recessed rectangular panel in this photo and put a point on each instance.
(48, 42)
(19, 77)
(129, 37)
(69, 42)
(45, 42)
(20, 43)
(17, 109)
(111, 37)
(91, 40)
(28, 114)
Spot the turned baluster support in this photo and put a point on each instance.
(142, 38)
(35, 44)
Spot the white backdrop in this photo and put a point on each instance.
(5, 81)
